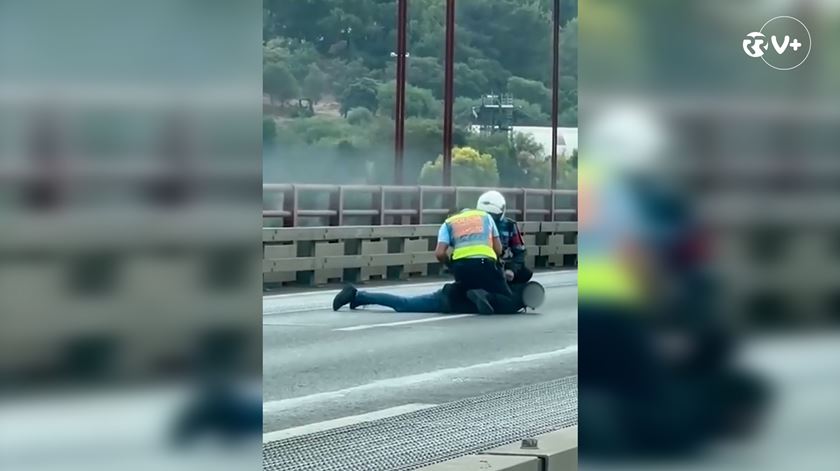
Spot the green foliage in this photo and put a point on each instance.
(314, 84)
(359, 116)
(469, 168)
(521, 160)
(269, 130)
(496, 39)
(568, 83)
(529, 114)
(423, 72)
(315, 130)
(337, 52)
(419, 103)
(462, 110)
(531, 91)
(496, 75)
(279, 83)
(362, 93)
(297, 56)
(470, 82)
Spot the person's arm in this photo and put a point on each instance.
(441, 253)
(494, 235)
(517, 248)
(442, 249)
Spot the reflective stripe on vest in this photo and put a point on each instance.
(470, 235)
(605, 280)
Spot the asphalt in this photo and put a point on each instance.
(320, 365)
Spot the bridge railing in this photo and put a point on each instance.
(295, 205)
(319, 255)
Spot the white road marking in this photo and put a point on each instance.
(271, 407)
(391, 324)
(340, 422)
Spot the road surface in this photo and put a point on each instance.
(320, 365)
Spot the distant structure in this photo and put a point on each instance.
(495, 114)
(567, 138)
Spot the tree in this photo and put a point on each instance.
(269, 130)
(423, 72)
(342, 74)
(529, 114)
(568, 82)
(363, 92)
(469, 168)
(521, 159)
(470, 82)
(531, 91)
(315, 84)
(492, 70)
(358, 116)
(462, 110)
(296, 55)
(419, 102)
(514, 32)
(279, 83)
(316, 129)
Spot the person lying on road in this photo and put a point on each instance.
(449, 299)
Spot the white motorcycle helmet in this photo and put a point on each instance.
(492, 202)
(533, 295)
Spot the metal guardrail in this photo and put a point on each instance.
(413, 440)
(409, 204)
(318, 255)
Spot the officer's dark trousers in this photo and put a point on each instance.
(625, 382)
(480, 273)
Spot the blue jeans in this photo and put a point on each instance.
(432, 302)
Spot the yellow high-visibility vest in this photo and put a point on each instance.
(601, 277)
(470, 223)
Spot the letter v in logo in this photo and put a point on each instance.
(780, 48)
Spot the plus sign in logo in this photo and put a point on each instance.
(783, 43)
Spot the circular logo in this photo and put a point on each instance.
(788, 43)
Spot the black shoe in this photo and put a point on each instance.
(346, 296)
(479, 297)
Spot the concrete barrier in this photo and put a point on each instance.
(319, 255)
(488, 463)
(554, 451)
(557, 451)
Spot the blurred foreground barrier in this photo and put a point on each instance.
(318, 255)
(555, 451)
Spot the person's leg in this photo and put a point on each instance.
(457, 299)
(484, 274)
(424, 303)
(491, 277)
(506, 304)
(464, 273)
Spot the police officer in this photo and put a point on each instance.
(513, 247)
(475, 246)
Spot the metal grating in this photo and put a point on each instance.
(428, 436)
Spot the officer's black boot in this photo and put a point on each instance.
(481, 300)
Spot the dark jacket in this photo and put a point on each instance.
(512, 243)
